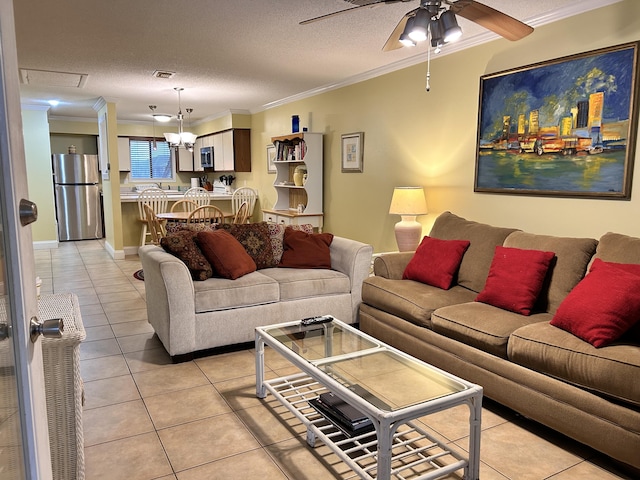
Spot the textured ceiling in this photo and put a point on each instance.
(226, 54)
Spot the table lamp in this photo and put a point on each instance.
(408, 202)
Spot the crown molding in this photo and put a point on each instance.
(475, 40)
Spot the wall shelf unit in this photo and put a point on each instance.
(295, 152)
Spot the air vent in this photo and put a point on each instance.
(163, 74)
(53, 79)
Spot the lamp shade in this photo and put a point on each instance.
(408, 201)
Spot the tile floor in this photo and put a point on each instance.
(145, 418)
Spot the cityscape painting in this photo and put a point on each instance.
(565, 127)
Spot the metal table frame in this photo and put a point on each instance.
(399, 445)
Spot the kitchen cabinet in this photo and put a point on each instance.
(184, 159)
(124, 154)
(296, 153)
(232, 150)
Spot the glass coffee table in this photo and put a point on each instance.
(386, 385)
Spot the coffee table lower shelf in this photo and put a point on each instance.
(416, 455)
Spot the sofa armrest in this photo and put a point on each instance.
(170, 299)
(391, 265)
(352, 258)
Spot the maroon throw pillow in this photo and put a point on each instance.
(306, 250)
(604, 305)
(227, 256)
(515, 279)
(182, 244)
(435, 261)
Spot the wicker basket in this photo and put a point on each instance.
(63, 386)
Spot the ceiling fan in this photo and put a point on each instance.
(432, 19)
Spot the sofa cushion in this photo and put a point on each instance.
(567, 269)
(615, 247)
(221, 294)
(297, 283)
(477, 259)
(609, 370)
(604, 305)
(480, 325)
(411, 300)
(225, 254)
(255, 239)
(435, 261)
(515, 279)
(306, 250)
(182, 244)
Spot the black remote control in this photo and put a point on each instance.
(315, 320)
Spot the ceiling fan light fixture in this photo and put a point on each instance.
(449, 26)
(420, 25)
(405, 39)
(436, 34)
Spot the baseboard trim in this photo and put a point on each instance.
(45, 245)
(115, 254)
(131, 250)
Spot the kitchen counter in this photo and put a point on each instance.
(173, 195)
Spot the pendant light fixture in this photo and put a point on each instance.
(182, 138)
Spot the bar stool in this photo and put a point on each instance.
(157, 200)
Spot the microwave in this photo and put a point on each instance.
(206, 157)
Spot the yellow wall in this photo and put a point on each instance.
(412, 137)
(39, 176)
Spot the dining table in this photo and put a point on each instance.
(184, 216)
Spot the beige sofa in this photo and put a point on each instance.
(545, 373)
(191, 316)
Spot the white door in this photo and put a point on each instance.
(24, 438)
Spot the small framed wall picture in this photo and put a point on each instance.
(271, 157)
(352, 152)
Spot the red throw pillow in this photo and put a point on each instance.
(436, 261)
(304, 250)
(515, 279)
(604, 305)
(227, 256)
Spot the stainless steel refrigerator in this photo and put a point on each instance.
(78, 202)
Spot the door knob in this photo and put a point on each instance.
(5, 331)
(52, 328)
(28, 212)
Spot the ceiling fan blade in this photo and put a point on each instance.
(339, 12)
(491, 19)
(393, 42)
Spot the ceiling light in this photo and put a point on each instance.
(182, 138)
(449, 26)
(436, 34)
(53, 103)
(421, 24)
(405, 40)
(162, 117)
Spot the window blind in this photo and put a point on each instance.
(150, 164)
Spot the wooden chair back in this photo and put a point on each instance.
(198, 195)
(242, 215)
(156, 198)
(206, 214)
(184, 206)
(242, 195)
(153, 225)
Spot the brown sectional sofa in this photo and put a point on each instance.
(545, 373)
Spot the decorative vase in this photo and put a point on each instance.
(298, 175)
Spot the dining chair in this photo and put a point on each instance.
(198, 195)
(157, 200)
(184, 206)
(208, 214)
(242, 214)
(153, 225)
(241, 195)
